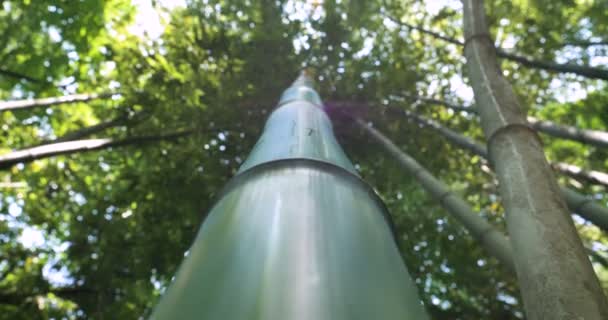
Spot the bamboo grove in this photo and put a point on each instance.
(115, 143)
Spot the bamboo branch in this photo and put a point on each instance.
(577, 202)
(453, 136)
(440, 191)
(586, 208)
(597, 257)
(45, 102)
(584, 43)
(61, 148)
(87, 131)
(431, 33)
(592, 137)
(458, 207)
(589, 176)
(490, 238)
(586, 71)
(18, 298)
(83, 132)
(13, 185)
(19, 76)
(449, 105)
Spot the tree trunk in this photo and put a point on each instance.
(54, 149)
(556, 278)
(491, 239)
(45, 102)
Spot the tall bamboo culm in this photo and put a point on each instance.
(555, 276)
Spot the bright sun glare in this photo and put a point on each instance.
(149, 20)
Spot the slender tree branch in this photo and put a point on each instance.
(495, 243)
(13, 185)
(61, 148)
(597, 257)
(589, 72)
(87, 131)
(589, 176)
(492, 240)
(19, 76)
(45, 102)
(578, 203)
(470, 109)
(583, 43)
(425, 31)
(592, 137)
(453, 136)
(586, 207)
(17, 298)
(586, 71)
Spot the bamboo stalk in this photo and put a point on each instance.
(556, 278)
(595, 138)
(578, 203)
(45, 102)
(491, 239)
(70, 147)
